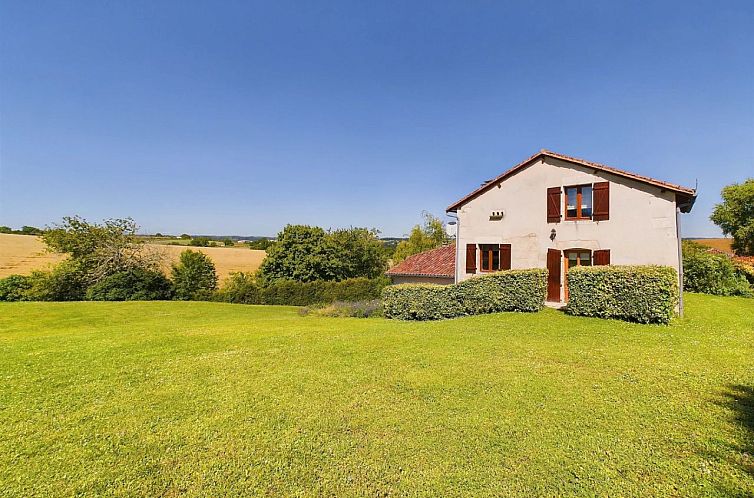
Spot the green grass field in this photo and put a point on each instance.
(207, 399)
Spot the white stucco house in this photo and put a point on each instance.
(556, 212)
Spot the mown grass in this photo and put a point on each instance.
(208, 399)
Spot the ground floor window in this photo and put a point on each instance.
(573, 258)
(490, 257)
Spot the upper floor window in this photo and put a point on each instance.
(578, 202)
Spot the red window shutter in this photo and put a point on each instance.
(602, 257)
(553, 205)
(505, 256)
(601, 191)
(470, 258)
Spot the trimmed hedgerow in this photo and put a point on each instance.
(644, 294)
(242, 288)
(511, 290)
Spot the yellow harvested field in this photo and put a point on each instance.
(22, 254)
(722, 244)
(227, 259)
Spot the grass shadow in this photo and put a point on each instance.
(740, 400)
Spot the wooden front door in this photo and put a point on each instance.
(553, 276)
(575, 257)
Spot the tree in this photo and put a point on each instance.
(303, 253)
(199, 242)
(363, 252)
(102, 249)
(4, 229)
(228, 242)
(422, 238)
(194, 276)
(27, 230)
(735, 216)
(262, 244)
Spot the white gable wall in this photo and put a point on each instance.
(641, 228)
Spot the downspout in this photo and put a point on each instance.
(680, 260)
(458, 245)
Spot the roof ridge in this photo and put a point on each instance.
(688, 193)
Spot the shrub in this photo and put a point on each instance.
(745, 266)
(200, 242)
(712, 273)
(66, 282)
(511, 290)
(14, 287)
(644, 294)
(194, 276)
(242, 288)
(135, 285)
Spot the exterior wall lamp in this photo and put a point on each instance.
(553, 234)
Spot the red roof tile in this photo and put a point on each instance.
(440, 262)
(684, 196)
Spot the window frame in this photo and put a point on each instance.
(579, 203)
(489, 249)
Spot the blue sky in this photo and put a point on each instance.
(240, 117)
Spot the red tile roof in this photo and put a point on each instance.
(685, 196)
(440, 262)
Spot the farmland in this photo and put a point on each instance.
(721, 244)
(212, 399)
(22, 254)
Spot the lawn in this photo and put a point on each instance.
(207, 399)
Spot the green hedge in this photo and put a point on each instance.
(644, 294)
(241, 288)
(511, 290)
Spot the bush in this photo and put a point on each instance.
(66, 282)
(200, 242)
(243, 289)
(194, 276)
(712, 273)
(644, 294)
(14, 287)
(511, 290)
(134, 285)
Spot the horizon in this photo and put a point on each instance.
(244, 117)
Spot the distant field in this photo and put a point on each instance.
(719, 244)
(22, 254)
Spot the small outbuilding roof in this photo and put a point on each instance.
(685, 196)
(440, 263)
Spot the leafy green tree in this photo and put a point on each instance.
(27, 230)
(194, 277)
(735, 216)
(228, 242)
(303, 253)
(4, 229)
(363, 252)
(200, 242)
(429, 235)
(262, 244)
